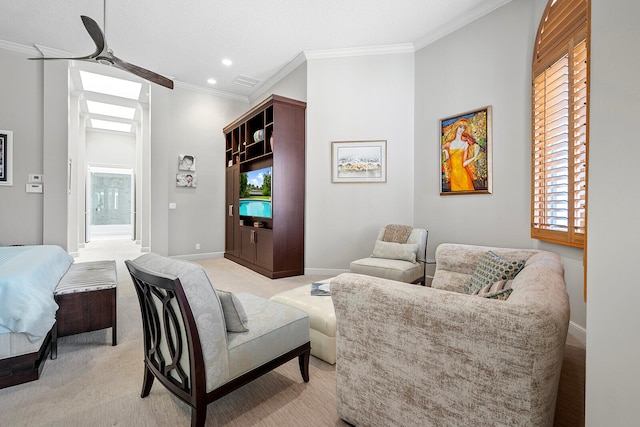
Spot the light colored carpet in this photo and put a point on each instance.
(93, 383)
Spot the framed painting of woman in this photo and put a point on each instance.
(465, 153)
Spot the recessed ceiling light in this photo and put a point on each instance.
(110, 110)
(108, 125)
(226, 62)
(110, 85)
(211, 81)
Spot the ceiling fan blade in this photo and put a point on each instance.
(141, 72)
(96, 34)
(78, 58)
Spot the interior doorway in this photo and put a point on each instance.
(110, 202)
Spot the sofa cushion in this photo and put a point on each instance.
(235, 317)
(499, 290)
(492, 268)
(390, 250)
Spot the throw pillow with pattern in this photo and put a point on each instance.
(492, 268)
(499, 290)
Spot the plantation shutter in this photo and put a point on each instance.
(560, 124)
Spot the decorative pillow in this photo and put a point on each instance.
(396, 233)
(492, 268)
(234, 315)
(498, 290)
(401, 251)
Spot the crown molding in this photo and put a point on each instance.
(209, 91)
(359, 51)
(460, 21)
(19, 48)
(269, 83)
(304, 56)
(49, 52)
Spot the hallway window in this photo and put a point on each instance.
(560, 103)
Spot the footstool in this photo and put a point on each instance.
(322, 319)
(86, 297)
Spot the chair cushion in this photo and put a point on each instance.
(402, 271)
(492, 268)
(274, 329)
(234, 315)
(390, 250)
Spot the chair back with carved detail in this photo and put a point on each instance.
(171, 341)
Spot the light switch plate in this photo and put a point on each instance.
(35, 177)
(34, 188)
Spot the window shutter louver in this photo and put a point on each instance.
(559, 124)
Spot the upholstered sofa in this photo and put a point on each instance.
(437, 356)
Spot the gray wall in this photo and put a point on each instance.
(21, 112)
(487, 62)
(613, 347)
(186, 121)
(352, 99)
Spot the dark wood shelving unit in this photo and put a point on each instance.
(276, 249)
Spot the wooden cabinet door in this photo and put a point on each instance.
(247, 249)
(232, 216)
(263, 241)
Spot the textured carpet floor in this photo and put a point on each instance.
(93, 383)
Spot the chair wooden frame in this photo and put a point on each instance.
(188, 383)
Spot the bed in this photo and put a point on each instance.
(28, 277)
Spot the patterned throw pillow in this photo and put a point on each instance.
(234, 315)
(492, 268)
(499, 290)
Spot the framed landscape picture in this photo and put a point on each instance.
(465, 153)
(358, 161)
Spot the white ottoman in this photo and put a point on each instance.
(322, 319)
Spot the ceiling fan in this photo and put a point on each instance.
(104, 55)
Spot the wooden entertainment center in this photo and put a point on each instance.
(271, 137)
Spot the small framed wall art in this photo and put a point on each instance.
(358, 161)
(186, 180)
(465, 153)
(186, 162)
(6, 157)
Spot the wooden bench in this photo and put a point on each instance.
(86, 296)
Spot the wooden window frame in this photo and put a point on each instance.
(560, 94)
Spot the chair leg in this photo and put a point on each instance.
(198, 416)
(54, 342)
(147, 382)
(303, 360)
(114, 318)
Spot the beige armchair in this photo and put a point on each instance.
(403, 262)
(439, 356)
(202, 343)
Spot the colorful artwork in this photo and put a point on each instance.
(465, 162)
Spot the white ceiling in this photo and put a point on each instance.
(187, 40)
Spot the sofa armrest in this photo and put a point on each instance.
(407, 352)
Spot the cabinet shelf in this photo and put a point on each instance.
(276, 250)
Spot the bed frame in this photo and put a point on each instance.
(26, 367)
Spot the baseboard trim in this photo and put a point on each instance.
(578, 332)
(198, 257)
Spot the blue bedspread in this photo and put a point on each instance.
(28, 277)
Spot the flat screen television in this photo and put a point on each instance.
(255, 193)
